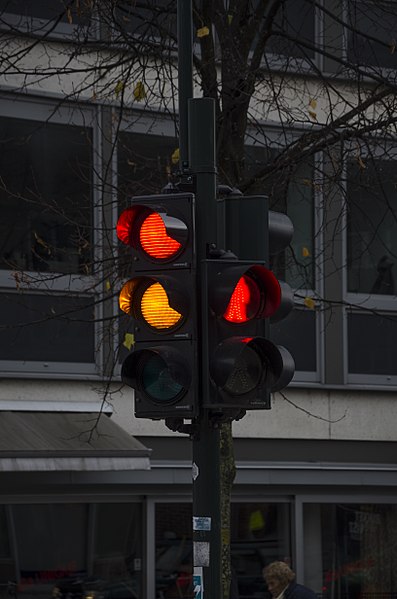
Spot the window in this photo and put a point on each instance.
(144, 163)
(378, 334)
(46, 328)
(371, 33)
(118, 547)
(372, 226)
(260, 533)
(47, 17)
(291, 191)
(47, 247)
(155, 22)
(45, 196)
(75, 549)
(371, 242)
(350, 549)
(297, 332)
(293, 32)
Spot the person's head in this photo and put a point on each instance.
(277, 576)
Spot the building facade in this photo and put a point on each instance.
(96, 502)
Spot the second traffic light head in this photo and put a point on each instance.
(244, 365)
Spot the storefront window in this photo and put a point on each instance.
(260, 534)
(351, 550)
(71, 551)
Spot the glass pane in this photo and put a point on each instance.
(154, 20)
(118, 549)
(294, 20)
(350, 550)
(372, 344)
(290, 191)
(260, 534)
(372, 226)
(372, 33)
(7, 566)
(51, 543)
(297, 333)
(45, 197)
(174, 550)
(47, 328)
(66, 11)
(144, 164)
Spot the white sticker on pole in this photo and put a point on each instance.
(201, 553)
(195, 471)
(198, 583)
(201, 523)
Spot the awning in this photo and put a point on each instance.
(53, 441)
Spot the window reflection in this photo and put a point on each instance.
(350, 550)
(372, 228)
(371, 33)
(71, 551)
(260, 533)
(45, 197)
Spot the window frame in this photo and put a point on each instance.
(359, 302)
(41, 110)
(272, 135)
(41, 27)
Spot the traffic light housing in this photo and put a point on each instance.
(159, 299)
(242, 298)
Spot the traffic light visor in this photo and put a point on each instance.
(158, 235)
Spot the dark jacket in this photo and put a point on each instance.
(297, 591)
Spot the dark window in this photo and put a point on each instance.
(144, 164)
(50, 539)
(152, 21)
(32, 14)
(118, 546)
(45, 197)
(371, 33)
(372, 342)
(372, 226)
(47, 328)
(260, 533)
(297, 333)
(293, 31)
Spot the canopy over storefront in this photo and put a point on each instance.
(57, 441)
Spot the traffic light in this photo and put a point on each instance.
(159, 299)
(244, 366)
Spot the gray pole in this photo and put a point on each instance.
(185, 76)
(206, 441)
(197, 158)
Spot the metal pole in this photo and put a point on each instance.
(185, 76)
(206, 441)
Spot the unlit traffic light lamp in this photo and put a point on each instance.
(244, 365)
(160, 300)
